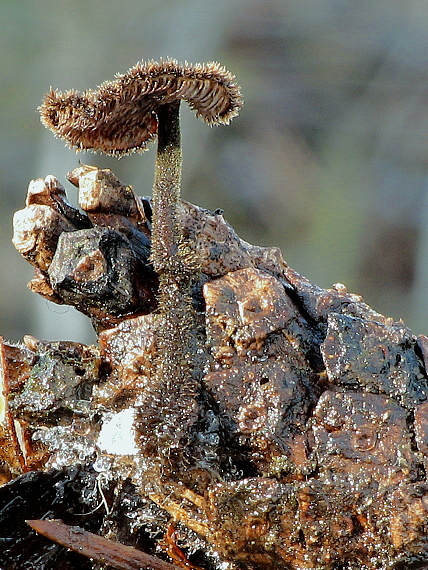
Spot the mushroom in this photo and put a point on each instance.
(122, 116)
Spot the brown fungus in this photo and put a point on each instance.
(123, 115)
(120, 117)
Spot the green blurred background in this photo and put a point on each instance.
(328, 159)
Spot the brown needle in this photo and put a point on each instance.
(100, 549)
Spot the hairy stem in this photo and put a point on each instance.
(174, 385)
(166, 189)
(174, 277)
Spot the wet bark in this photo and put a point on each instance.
(300, 442)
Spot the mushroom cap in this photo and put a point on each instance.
(121, 115)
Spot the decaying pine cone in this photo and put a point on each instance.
(305, 445)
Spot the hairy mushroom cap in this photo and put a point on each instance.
(121, 115)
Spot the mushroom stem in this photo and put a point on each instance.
(174, 358)
(166, 189)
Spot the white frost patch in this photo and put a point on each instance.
(117, 435)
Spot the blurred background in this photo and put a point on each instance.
(328, 159)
